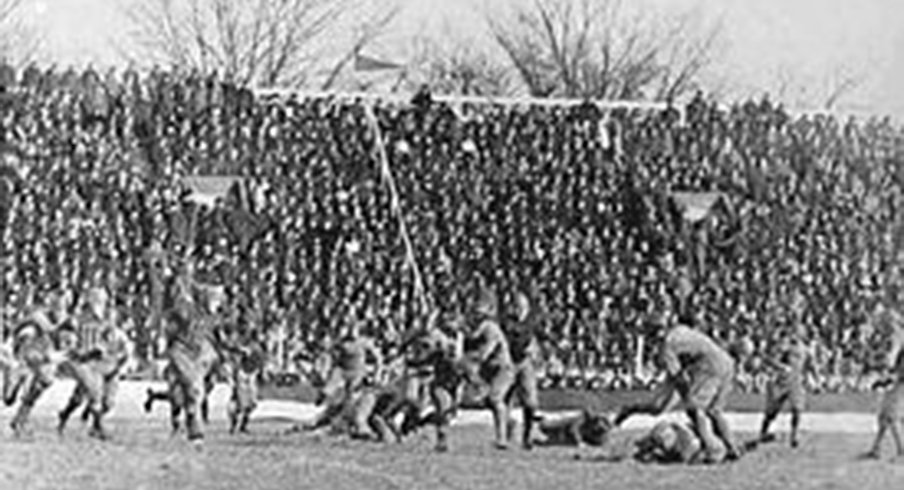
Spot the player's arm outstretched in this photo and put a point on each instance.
(665, 399)
(667, 396)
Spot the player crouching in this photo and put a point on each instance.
(700, 378)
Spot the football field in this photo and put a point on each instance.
(143, 455)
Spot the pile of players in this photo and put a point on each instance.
(422, 385)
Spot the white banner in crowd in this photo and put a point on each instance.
(205, 190)
(695, 206)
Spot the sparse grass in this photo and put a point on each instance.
(144, 456)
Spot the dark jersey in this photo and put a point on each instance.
(522, 334)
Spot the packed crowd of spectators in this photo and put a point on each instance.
(572, 204)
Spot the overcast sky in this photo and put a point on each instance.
(806, 38)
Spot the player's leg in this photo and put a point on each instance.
(530, 400)
(189, 377)
(362, 409)
(775, 400)
(193, 386)
(90, 389)
(76, 399)
(500, 382)
(209, 383)
(795, 426)
(876, 450)
(388, 405)
(232, 410)
(716, 414)
(249, 403)
(153, 396)
(895, 428)
(176, 398)
(244, 419)
(888, 411)
(38, 382)
(702, 425)
(700, 396)
(798, 401)
(15, 376)
(8, 364)
(325, 417)
(443, 402)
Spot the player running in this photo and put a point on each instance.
(96, 374)
(35, 360)
(891, 411)
(791, 362)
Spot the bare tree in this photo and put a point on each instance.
(364, 33)
(265, 43)
(19, 43)
(459, 68)
(603, 49)
(841, 83)
(820, 90)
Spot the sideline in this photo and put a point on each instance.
(131, 396)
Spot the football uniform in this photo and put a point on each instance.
(669, 442)
(585, 428)
(709, 369)
(787, 384)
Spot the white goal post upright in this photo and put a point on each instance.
(395, 205)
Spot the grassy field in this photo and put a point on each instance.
(143, 456)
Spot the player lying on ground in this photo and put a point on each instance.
(669, 442)
(791, 363)
(891, 411)
(579, 430)
(700, 374)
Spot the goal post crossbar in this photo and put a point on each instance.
(464, 99)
